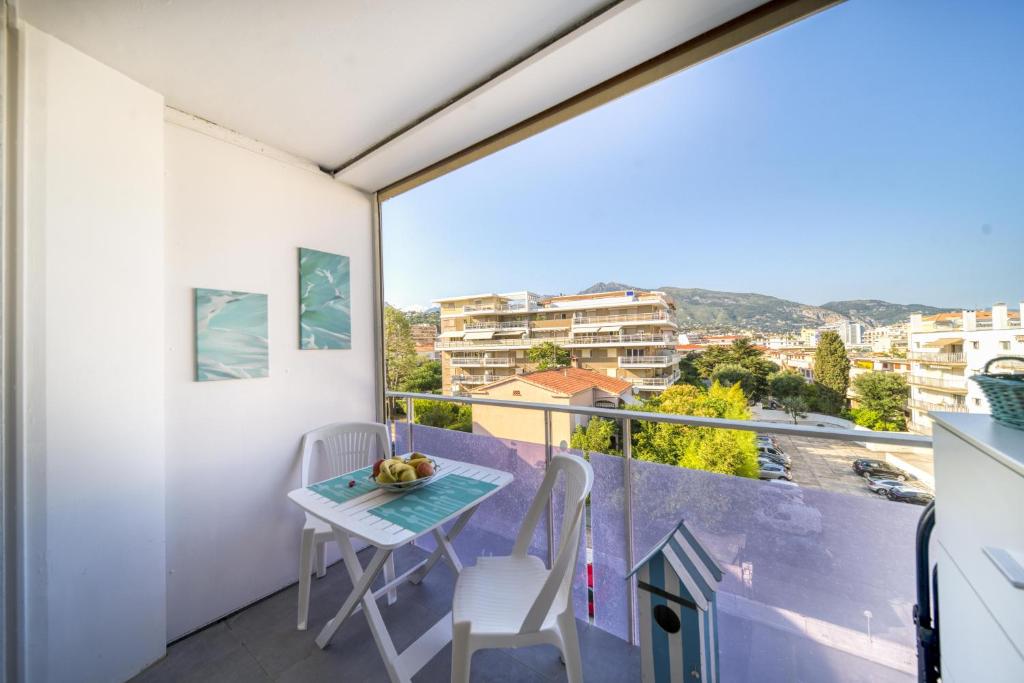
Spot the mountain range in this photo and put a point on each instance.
(708, 308)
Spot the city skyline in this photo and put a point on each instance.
(722, 177)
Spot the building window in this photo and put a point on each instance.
(977, 401)
(975, 345)
(1004, 345)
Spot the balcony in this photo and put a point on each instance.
(659, 317)
(482, 362)
(654, 383)
(498, 326)
(475, 379)
(937, 358)
(937, 407)
(955, 386)
(510, 307)
(656, 361)
(798, 575)
(639, 339)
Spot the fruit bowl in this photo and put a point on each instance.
(413, 460)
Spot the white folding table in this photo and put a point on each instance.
(352, 519)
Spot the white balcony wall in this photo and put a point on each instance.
(235, 220)
(151, 504)
(90, 386)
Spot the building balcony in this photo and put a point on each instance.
(510, 307)
(929, 406)
(659, 317)
(482, 362)
(497, 325)
(950, 385)
(653, 383)
(654, 361)
(638, 339)
(475, 379)
(579, 340)
(937, 358)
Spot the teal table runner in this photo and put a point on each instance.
(338, 489)
(423, 508)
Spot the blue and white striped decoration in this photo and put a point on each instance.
(680, 568)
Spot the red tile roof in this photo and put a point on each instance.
(572, 381)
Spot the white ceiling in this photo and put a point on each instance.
(327, 79)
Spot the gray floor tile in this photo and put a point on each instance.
(261, 643)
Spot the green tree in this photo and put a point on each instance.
(443, 414)
(596, 437)
(786, 383)
(704, 448)
(740, 352)
(831, 372)
(688, 373)
(789, 389)
(548, 356)
(425, 378)
(728, 374)
(885, 394)
(399, 348)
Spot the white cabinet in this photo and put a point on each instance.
(979, 491)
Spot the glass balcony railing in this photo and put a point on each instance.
(819, 584)
(653, 361)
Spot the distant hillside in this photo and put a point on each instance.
(873, 312)
(708, 308)
(736, 310)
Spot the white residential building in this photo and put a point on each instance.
(946, 349)
(888, 338)
(850, 332)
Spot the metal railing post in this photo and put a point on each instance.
(551, 507)
(627, 476)
(410, 415)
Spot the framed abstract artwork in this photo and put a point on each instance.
(231, 335)
(325, 301)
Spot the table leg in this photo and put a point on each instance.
(444, 547)
(362, 579)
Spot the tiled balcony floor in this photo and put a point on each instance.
(261, 642)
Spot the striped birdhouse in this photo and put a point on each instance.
(676, 585)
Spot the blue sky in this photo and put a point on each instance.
(875, 150)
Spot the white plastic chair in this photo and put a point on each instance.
(516, 601)
(345, 447)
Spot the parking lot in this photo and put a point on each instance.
(827, 464)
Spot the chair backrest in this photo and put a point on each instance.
(345, 446)
(557, 589)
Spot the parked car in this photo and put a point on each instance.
(881, 485)
(767, 440)
(762, 462)
(764, 457)
(887, 471)
(774, 453)
(862, 465)
(909, 494)
(770, 470)
(770, 404)
(879, 469)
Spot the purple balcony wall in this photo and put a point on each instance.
(801, 565)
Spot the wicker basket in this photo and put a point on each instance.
(1005, 393)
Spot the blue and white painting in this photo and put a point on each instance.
(325, 303)
(231, 335)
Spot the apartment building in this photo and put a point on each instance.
(946, 349)
(627, 334)
(850, 332)
(888, 338)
